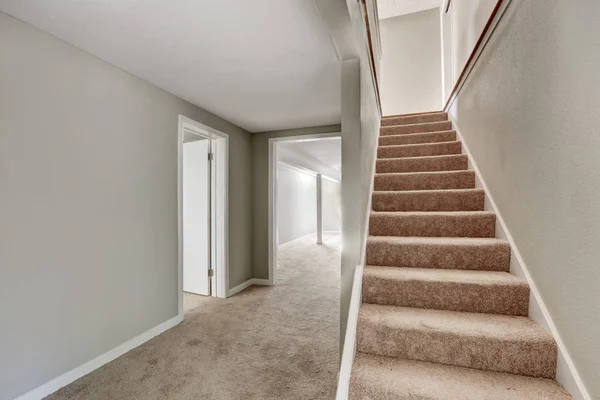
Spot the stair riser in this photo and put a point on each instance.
(420, 128)
(448, 163)
(435, 137)
(459, 180)
(414, 119)
(531, 358)
(433, 225)
(481, 258)
(419, 150)
(428, 201)
(453, 296)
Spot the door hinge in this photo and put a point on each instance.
(211, 156)
(211, 272)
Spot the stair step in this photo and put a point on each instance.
(423, 164)
(416, 128)
(433, 224)
(414, 119)
(500, 343)
(425, 180)
(377, 377)
(445, 289)
(442, 253)
(419, 150)
(429, 200)
(414, 138)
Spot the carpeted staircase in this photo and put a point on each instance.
(442, 318)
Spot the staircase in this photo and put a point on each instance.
(442, 318)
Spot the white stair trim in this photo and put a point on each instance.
(349, 350)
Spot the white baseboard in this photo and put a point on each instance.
(566, 372)
(52, 386)
(261, 282)
(349, 350)
(248, 283)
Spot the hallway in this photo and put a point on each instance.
(276, 342)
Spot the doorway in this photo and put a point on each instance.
(304, 194)
(203, 176)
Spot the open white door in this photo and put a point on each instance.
(196, 216)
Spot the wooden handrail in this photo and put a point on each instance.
(371, 53)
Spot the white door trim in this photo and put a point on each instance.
(272, 234)
(219, 211)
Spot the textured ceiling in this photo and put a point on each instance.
(261, 64)
(395, 8)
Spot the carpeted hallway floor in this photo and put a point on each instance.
(277, 342)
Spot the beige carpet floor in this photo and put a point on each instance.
(277, 342)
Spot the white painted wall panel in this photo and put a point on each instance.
(296, 203)
(332, 211)
(411, 66)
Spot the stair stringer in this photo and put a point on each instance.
(566, 372)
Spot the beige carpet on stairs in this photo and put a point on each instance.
(265, 343)
(442, 318)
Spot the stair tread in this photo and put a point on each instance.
(476, 325)
(433, 223)
(423, 114)
(444, 162)
(485, 254)
(424, 173)
(421, 134)
(416, 145)
(434, 214)
(392, 378)
(418, 124)
(414, 118)
(487, 278)
(449, 241)
(438, 157)
(425, 192)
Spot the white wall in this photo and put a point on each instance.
(88, 205)
(529, 115)
(331, 200)
(461, 28)
(296, 203)
(411, 79)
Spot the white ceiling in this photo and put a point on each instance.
(319, 155)
(395, 8)
(261, 64)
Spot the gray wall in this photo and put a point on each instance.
(88, 211)
(411, 63)
(260, 193)
(529, 115)
(360, 131)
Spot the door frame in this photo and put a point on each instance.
(272, 214)
(219, 205)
